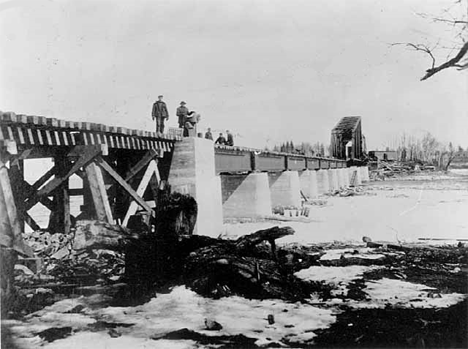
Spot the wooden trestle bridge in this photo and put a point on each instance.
(121, 170)
(117, 165)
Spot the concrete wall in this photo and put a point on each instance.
(246, 195)
(323, 185)
(365, 174)
(333, 179)
(192, 172)
(285, 188)
(308, 181)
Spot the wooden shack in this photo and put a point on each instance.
(347, 140)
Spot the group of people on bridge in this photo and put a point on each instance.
(187, 121)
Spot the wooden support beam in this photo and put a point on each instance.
(8, 146)
(61, 214)
(16, 175)
(140, 165)
(76, 191)
(30, 190)
(78, 150)
(44, 178)
(149, 155)
(151, 172)
(88, 154)
(106, 167)
(98, 193)
(11, 232)
(31, 222)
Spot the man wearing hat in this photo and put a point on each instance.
(182, 113)
(160, 114)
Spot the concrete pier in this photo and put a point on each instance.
(246, 195)
(308, 181)
(365, 174)
(333, 180)
(346, 176)
(358, 180)
(341, 178)
(285, 188)
(323, 185)
(193, 172)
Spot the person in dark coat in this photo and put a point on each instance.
(208, 134)
(182, 113)
(221, 140)
(230, 138)
(160, 114)
(190, 125)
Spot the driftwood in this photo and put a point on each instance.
(164, 251)
(154, 256)
(91, 234)
(244, 267)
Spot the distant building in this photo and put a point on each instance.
(347, 140)
(386, 155)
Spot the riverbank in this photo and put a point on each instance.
(406, 293)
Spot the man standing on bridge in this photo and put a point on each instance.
(160, 114)
(182, 113)
(230, 138)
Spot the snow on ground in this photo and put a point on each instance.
(335, 275)
(402, 294)
(181, 308)
(395, 213)
(363, 253)
(339, 277)
(399, 214)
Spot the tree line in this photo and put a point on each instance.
(428, 150)
(303, 148)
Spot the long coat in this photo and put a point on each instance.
(160, 110)
(182, 113)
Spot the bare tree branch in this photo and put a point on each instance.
(450, 63)
(454, 62)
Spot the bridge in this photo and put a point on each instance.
(121, 170)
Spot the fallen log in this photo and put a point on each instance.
(243, 267)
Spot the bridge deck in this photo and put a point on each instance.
(239, 159)
(39, 131)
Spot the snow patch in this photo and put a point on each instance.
(363, 253)
(333, 275)
(403, 294)
(183, 308)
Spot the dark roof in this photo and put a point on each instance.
(347, 123)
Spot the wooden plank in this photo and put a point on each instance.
(16, 174)
(75, 191)
(8, 146)
(31, 222)
(53, 122)
(61, 197)
(44, 178)
(30, 190)
(80, 149)
(149, 173)
(6, 194)
(106, 167)
(88, 155)
(98, 193)
(149, 155)
(62, 123)
(6, 236)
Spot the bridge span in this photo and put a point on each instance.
(121, 169)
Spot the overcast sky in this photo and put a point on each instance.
(268, 70)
